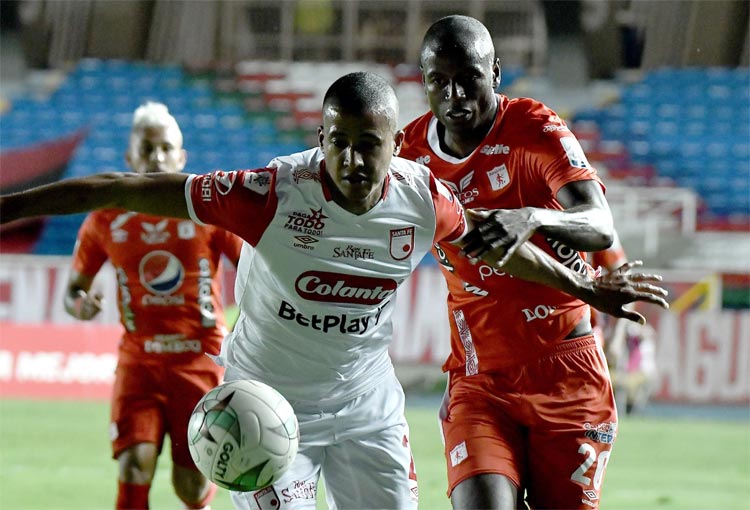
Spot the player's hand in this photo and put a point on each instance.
(88, 305)
(498, 234)
(620, 287)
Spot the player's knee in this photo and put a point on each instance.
(192, 488)
(138, 463)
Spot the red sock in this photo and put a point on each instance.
(131, 496)
(206, 499)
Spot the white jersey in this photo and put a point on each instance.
(316, 284)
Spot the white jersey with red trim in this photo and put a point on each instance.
(316, 284)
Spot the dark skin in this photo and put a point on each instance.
(460, 74)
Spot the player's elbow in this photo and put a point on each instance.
(604, 240)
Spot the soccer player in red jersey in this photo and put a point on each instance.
(530, 404)
(168, 278)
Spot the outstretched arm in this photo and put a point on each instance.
(161, 194)
(609, 293)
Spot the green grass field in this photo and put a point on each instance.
(55, 455)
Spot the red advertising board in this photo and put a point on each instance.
(57, 361)
(702, 352)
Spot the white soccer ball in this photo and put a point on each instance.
(243, 435)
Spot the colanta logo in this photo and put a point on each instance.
(343, 288)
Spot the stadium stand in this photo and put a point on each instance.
(99, 96)
(689, 127)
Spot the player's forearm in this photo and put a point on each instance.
(532, 264)
(64, 197)
(581, 228)
(159, 194)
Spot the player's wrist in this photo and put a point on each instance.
(75, 304)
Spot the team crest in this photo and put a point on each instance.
(401, 243)
(499, 177)
(267, 499)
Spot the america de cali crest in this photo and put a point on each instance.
(499, 177)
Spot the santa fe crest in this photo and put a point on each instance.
(401, 243)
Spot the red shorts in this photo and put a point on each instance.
(548, 426)
(150, 401)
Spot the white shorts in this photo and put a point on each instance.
(361, 447)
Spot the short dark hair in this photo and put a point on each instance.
(457, 31)
(360, 92)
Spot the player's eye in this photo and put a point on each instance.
(340, 143)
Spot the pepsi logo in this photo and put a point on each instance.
(161, 272)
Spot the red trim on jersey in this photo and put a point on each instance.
(243, 202)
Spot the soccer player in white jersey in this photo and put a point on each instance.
(329, 234)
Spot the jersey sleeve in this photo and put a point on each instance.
(450, 224)
(243, 202)
(229, 244)
(89, 254)
(557, 154)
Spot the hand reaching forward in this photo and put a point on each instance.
(86, 305)
(611, 292)
(501, 231)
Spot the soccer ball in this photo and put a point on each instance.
(243, 435)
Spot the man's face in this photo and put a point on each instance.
(358, 151)
(460, 87)
(156, 149)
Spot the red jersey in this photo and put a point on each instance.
(528, 155)
(168, 283)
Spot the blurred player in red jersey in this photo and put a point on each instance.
(630, 347)
(169, 303)
(530, 404)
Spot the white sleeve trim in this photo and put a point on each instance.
(189, 200)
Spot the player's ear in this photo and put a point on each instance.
(398, 140)
(321, 138)
(183, 160)
(497, 73)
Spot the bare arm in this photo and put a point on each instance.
(586, 223)
(161, 194)
(609, 293)
(79, 301)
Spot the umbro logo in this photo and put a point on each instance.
(304, 242)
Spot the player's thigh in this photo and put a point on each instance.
(136, 414)
(570, 446)
(369, 464)
(375, 471)
(186, 387)
(481, 433)
(296, 489)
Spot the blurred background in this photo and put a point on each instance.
(658, 93)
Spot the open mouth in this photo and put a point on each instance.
(356, 179)
(458, 114)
